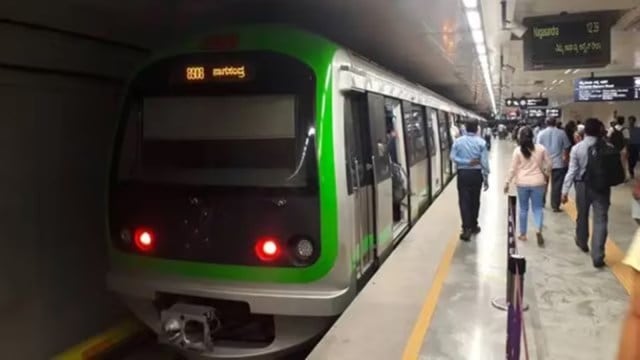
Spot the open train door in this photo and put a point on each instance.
(381, 166)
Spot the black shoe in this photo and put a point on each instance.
(584, 248)
(465, 235)
(599, 264)
(476, 230)
(540, 239)
(557, 210)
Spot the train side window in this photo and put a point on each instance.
(355, 116)
(431, 140)
(415, 133)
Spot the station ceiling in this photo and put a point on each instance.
(558, 84)
(427, 42)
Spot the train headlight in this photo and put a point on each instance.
(125, 236)
(172, 329)
(304, 249)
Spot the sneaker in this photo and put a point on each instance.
(522, 237)
(476, 230)
(465, 235)
(599, 264)
(557, 210)
(540, 239)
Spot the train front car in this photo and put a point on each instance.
(223, 201)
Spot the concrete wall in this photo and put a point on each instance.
(55, 135)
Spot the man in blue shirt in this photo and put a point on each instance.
(469, 153)
(557, 144)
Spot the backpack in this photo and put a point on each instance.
(604, 167)
(617, 139)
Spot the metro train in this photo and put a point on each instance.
(260, 175)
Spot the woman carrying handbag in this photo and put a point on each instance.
(530, 168)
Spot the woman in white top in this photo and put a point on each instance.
(530, 166)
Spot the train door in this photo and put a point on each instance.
(399, 171)
(417, 159)
(434, 152)
(360, 181)
(445, 146)
(381, 166)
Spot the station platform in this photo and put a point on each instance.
(432, 298)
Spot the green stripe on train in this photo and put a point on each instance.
(318, 54)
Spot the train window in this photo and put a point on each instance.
(431, 139)
(355, 140)
(444, 130)
(415, 133)
(222, 140)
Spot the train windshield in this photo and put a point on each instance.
(247, 140)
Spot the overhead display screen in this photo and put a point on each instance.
(568, 41)
(615, 88)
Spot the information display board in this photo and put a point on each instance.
(615, 88)
(568, 41)
(554, 113)
(526, 102)
(536, 113)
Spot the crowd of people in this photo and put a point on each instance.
(554, 158)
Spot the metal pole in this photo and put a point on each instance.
(517, 267)
(512, 249)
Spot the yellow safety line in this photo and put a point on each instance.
(414, 343)
(613, 254)
(101, 343)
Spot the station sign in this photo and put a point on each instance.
(526, 102)
(554, 113)
(536, 113)
(614, 88)
(198, 73)
(568, 41)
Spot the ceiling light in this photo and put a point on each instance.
(470, 4)
(478, 36)
(545, 89)
(576, 71)
(567, 71)
(473, 17)
(554, 81)
(561, 81)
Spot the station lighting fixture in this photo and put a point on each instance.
(474, 19)
(554, 81)
(470, 4)
(561, 81)
(576, 71)
(567, 71)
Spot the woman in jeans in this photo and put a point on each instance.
(530, 166)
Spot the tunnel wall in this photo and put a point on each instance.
(59, 97)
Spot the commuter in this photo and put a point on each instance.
(594, 167)
(541, 126)
(629, 348)
(455, 131)
(557, 144)
(579, 135)
(618, 136)
(530, 166)
(633, 149)
(570, 129)
(469, 153)
(487, 137)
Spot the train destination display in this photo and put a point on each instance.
(526, 102)
(567, 41)
(615, 88)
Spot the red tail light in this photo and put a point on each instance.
(267, 249)
(144, 239)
